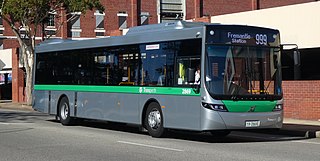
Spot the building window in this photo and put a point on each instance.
(1, 26)
(99, 20)
(172, 10)
(1, 44)
(23, 32)
(51, 19)
(1, 23)
(99, 24)
(75, 32)
(122, 17)
(99, 33)
(74, 24)
(50, 29)
(75, 21)
(145, 18)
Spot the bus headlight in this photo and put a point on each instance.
(278, 107)
(215, 107)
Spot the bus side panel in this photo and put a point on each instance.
(108, 107)
(179, 112)
(41, 101)
(54, 103)
(129, 108)
(101, 106)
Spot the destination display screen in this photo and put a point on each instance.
(242, 35)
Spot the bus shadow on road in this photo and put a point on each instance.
(206, 137)
(233, 137)
(107, 125)
(18, 117)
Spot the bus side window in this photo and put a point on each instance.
(153, 65)
(128, 65)
(186, 70)
(181, 73)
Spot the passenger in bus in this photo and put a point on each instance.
(161, 78)
(146, 79)
(197, 76)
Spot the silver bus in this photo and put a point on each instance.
(179, 75)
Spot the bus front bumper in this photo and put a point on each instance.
(214, 120)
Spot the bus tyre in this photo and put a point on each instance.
(64, 112)
(154, 120)
(220, 133)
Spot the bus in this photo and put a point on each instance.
(147, 78)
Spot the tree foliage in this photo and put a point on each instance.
(31, 15)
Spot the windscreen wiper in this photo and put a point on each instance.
(266, 89)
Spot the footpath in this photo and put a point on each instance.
(292, 127)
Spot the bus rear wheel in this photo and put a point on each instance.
(64, 112)
(154, 120)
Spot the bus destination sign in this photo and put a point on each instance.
(241, 36)
(244, 38)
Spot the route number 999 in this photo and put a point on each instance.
(261, 39)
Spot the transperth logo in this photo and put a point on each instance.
(252, 109)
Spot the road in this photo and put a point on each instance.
(31, 136)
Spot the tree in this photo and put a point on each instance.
(31, 15)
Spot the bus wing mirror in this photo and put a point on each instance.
(275, 61)
(296, 52)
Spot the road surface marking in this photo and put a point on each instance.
(150, 146)
(15, 123)
(307, 142)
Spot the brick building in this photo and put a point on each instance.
(120, 15)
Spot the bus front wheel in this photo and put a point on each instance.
(154, 120)
(64, 112)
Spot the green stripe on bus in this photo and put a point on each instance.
(120, 89)
(249, 106)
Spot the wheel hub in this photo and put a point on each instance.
(64, 112)
(154, 119)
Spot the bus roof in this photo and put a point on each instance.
(162, 27)
(179, 30)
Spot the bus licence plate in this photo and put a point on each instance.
(252, 123)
